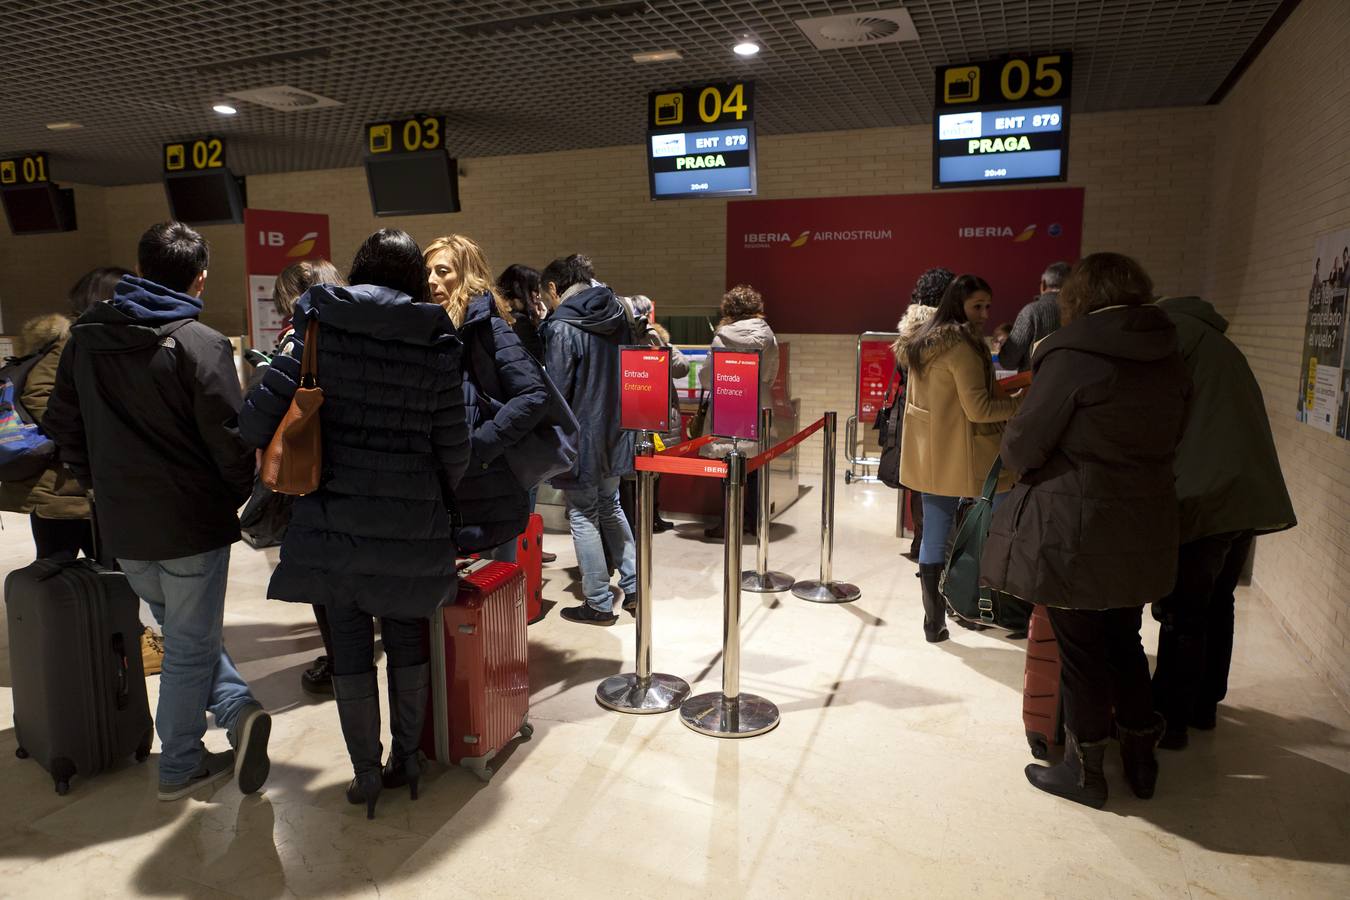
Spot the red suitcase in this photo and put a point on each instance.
(530, 558)
(480, 681)
(1042, 713)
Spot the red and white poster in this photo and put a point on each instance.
(876, 368)
(644, 395)
(272, 241)
(845, 265)
(735, 399)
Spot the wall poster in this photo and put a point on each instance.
(1324, 377)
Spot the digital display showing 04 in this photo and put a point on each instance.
(711, 161)
(978, 146)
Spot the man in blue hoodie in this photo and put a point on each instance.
(582, 338)
(145, 412)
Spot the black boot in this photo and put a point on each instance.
(1079, 777)
(358, 703)
(1136, 752)
(934, 607)
(409, 688)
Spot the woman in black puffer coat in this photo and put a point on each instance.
(375, 539)
(504, 396)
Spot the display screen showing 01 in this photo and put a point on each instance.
(735, 394)
(1017, 144)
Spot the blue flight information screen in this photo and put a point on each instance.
(980, 146)
(705, 162)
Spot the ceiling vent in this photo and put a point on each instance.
(861, 29)
(284, 98)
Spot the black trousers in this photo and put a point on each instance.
(1102, 666)
(62, 538)
(325, 632)
(1195, 644)
(405, 641)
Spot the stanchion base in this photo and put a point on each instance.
(717, 715)
(826, 591)
(769, 583)
(623, 693)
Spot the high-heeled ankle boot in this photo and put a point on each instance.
(409, 688)
(1136, 753)
(358, 703)
(934, 607)
(1079, 777)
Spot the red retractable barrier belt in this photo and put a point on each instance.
(707, 468)
(688, 448)
(773, 453)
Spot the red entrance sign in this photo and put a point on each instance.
(274, 240)
(735, 394)
(644, 396)
(876, 368)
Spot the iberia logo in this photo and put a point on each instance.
(304, 247)
(1027, 234)
(801, 238)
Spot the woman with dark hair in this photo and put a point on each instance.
(519, 286)
(954, 415)
(1091, 529)
(375, 539)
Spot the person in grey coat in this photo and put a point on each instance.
(1037, 320)
(1230, 488)
(581, 354)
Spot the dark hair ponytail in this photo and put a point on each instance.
(950, 309)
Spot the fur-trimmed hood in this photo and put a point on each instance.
(933, 344)
(40, 331)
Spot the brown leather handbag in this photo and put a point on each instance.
(293, 461)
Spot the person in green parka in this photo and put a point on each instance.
(1230, 488)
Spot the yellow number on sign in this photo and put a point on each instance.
(432, 133)
(214, 148)
(200, 154)
(412, 135)
(42, 168)
(716, 96)
(29, 170)
(735, 102)
(1019, 65)
(1043, 72)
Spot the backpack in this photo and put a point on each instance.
(25, 452)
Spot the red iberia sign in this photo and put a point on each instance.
(735, 394)
(644, 396)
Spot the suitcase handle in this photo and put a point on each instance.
(119, 650)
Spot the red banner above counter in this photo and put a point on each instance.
(845, 265)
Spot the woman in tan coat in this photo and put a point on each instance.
(954, 417)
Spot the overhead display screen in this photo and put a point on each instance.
(1002, 121)
(701, 141)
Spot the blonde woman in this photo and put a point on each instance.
(504, 395)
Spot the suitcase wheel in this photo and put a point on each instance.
(62, 771)
(1039, 748)
(143, 751)
(527, 731)
(21, 753)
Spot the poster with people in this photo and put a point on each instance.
(1324, 377)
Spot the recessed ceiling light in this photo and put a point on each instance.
(225, 109)
(655, 56)
(746, 48)
(63, 126)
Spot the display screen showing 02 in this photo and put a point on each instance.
(735, 394)
(1018, 144)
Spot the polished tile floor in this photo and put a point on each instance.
(896, 771)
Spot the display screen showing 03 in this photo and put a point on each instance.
(1008, 144)
(714, 161)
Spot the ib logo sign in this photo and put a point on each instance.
(302, 248)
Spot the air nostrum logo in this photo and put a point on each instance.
(764, 239)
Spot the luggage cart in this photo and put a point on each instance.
(872, 375)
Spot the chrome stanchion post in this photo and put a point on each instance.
(643, 691)
(761, 580)
(825, 589)
(729, 713)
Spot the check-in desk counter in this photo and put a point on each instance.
(690, 496)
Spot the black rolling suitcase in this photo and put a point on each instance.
(75, 662)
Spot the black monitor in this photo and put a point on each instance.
(39, 208)
(212, 197)
(413, 184)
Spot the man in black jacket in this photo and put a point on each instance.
(145, 414)
(581, 353)
(1037, 320)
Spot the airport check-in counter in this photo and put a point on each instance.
(687, 496)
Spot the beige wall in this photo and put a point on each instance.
(1281, 177)
(1145, 173)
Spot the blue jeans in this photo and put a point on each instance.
(187, 598)
(601, 533)
(939, 513)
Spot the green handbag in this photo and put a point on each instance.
(960, 582)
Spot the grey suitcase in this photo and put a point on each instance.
(75, 662)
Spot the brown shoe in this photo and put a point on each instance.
(152, 651)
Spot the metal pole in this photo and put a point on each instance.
(643, 691)
(826, 590)
(729, 713)
(762, 581)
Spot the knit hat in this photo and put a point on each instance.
(930, 287)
